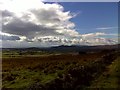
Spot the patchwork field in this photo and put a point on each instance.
(60, 71)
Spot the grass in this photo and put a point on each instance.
(23, 72)
(26, 53)
(23, 79)
(110, 78)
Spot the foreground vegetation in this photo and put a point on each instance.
(56, 72)
(110, 78)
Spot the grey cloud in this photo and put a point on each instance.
(19, 27)
(44, 21)
(7, 13)
(49, 16)
(4, 37)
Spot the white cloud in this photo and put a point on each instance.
(92, 35)
(106, 28)
(36, 19)
(9, 37)
(33, 22)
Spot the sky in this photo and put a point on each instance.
(94, 15)
(34, 23)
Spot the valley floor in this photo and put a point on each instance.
(62, 72)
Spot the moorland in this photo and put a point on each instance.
(61, 68)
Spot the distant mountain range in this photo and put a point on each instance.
(73, 48)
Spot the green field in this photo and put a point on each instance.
(60, 71)
(25, 53)
(110, 78)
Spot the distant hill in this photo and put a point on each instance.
(83, 48)
(73, 48)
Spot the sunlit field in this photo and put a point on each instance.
(66, 71)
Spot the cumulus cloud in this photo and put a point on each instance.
(6, 13)
(35, 22)
(10, 37)
(42, 19)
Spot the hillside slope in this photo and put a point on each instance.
(110, 78)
